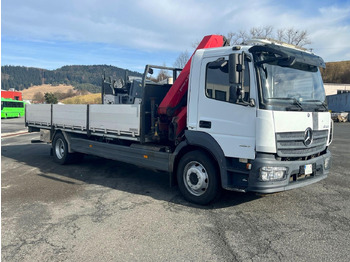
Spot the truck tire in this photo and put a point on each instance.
(197, 178)
(60, 150)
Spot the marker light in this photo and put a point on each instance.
(327, 163)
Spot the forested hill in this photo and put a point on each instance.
(81, 77)
(89, 77)
(336, 72)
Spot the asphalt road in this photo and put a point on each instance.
(101, 210)
(12, 125)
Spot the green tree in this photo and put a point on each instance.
(50, 98)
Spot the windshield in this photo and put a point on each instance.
(291, 85)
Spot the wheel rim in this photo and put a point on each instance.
(59, 148)
(196, 178)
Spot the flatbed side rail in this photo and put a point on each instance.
(115, 121)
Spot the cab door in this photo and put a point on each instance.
(229, 120)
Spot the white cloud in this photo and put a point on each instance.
(330, 33)
(170, 25)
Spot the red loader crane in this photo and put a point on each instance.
(173, 108)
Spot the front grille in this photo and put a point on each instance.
(291, 144)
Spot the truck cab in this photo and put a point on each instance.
(263, 108)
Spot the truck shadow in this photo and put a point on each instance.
(112, 174)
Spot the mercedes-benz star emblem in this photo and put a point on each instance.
(308, 137)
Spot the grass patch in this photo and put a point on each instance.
(84, 99)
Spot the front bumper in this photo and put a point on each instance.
(294, 177)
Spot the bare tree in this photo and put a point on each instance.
(70, 93)
(38, 97)
(239, 38)
(261, 32)
(293, 36)
(289, 35)
(182, 59)
(162, 75)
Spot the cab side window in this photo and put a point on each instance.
(217, 84)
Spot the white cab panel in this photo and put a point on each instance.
(265, 132)
(323, 121)
(287, 121)
(193, 84)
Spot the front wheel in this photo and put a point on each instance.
(197, 178)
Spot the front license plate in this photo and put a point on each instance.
(308, 169)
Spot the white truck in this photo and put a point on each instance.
(245, 118)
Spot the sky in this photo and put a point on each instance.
(130, 34)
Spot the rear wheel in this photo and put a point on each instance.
(197, 178)
(60, 151)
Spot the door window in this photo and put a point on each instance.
(217, 84)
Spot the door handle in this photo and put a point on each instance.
(204, 124)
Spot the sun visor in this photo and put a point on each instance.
(300, 56)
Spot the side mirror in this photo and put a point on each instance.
(236, 68)
(235, 91)
(233, 73)
(150, 71)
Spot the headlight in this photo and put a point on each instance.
(268, 173)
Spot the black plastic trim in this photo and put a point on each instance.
(206, 141)
(137, 156)
(293, 169)
(204, 124)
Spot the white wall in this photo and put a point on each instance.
(331, 89)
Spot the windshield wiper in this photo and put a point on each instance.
(295, 102)
(323, 104)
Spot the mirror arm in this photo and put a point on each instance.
(252, 102)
